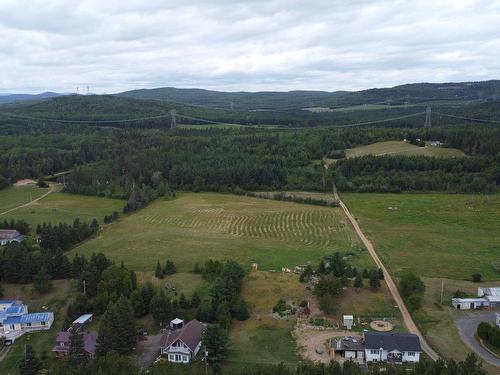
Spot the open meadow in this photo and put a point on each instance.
(402, 148)
(14, 196)
(197, 226)
(433, 234)
(64, 208)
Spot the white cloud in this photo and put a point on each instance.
(330, 45)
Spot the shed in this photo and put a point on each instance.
(176, 324)
(348, 321)
(470, 303)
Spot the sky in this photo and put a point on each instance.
(231, 45)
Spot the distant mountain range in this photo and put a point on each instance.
(13, 98)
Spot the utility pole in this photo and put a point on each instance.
(173, 123)
(205, 358)
(442, 291)
(84, 289)
(427, 117)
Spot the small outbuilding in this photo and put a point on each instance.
(81, 322)
(470, 303)
(348, 321)
(176, 324)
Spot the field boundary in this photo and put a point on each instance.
(52, 188)
(408, 320)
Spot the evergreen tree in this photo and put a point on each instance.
(29, 364)
(2, 291)
(366, 274)
(358, 281)
(169, 268)
(77, 355)
(374, 279)
(41, 281)
(183, 302)
(161, 308)
(158, 271)
(195, 300)
(215, 341)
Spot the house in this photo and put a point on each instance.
(81, 322)
(492, 295)
(392, 347)
(348, 321)
(61, 349)
(15, 320)
(349, 347)
(470, 303)
(182, 345)
(10, 235)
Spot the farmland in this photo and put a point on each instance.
(434, 235)
(402, 148)
(62, 207)
(194, 227)
(18, 195)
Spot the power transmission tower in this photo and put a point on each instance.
(173, 123)
(427, 117)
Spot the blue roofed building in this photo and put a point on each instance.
(16, 321)
(10, 235)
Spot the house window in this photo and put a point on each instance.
(373, 351)
(171, 357)
(411, 354)
(12, 326)
(177, 358)
(28, 324)
(42, 323)
(184, 358)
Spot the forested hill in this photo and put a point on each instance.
(14, 98)
(404, 94)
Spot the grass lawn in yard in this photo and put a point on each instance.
(195, 227)
(432, 234)
(65, 208)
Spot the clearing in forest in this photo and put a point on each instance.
(197, 226)
(402, 148)
(14, 196)
(63, 207)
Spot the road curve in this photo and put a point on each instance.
(410, 324)
(52, 188)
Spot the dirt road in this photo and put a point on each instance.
(408, 320)
(52, 188)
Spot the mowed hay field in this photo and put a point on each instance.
(197, 226)
(64, 208)
(14, 196)
(434, 235)
(402, 148)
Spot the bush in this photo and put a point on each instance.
(483, 330)
(459, 294)
(477, 277)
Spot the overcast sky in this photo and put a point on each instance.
(117, 45)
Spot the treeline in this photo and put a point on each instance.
(64, 236)
(417, 173)
(20, 225)
(282, 196)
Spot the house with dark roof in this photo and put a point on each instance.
(349, 347)
(10, 235)
(392, 347)
(182, 345)
(63, 343)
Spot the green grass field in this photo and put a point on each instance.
(434, 235)
(62, 207)
(17, 195)
(402, 148)
(195, 227)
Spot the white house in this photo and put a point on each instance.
(182, 345)
(10, 235)
(392, 347)
(16, 321)
(470, 303)
(348, 321)
(492, 295)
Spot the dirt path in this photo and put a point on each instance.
(52, 188)
(408, 320)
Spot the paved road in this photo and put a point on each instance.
(150, 350)
(52, 188)
(408, 320)
(467, 323)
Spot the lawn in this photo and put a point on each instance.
(402, 148)
(63, 207)
(14, 196)
(262, 338)
(42, 342)
(197, 226)
(434, 234)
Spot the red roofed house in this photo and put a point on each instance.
(182, 345)
(63, 343)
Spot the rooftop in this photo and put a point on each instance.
(8, 234)
(83, 319)
(37, 317)
(347, 343)
(402, 342)
(190, 335)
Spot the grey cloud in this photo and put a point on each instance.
(244, 45)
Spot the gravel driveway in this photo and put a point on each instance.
(467, 323)
(151, 350)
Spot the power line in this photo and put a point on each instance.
(469, 118)
(84, 121)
